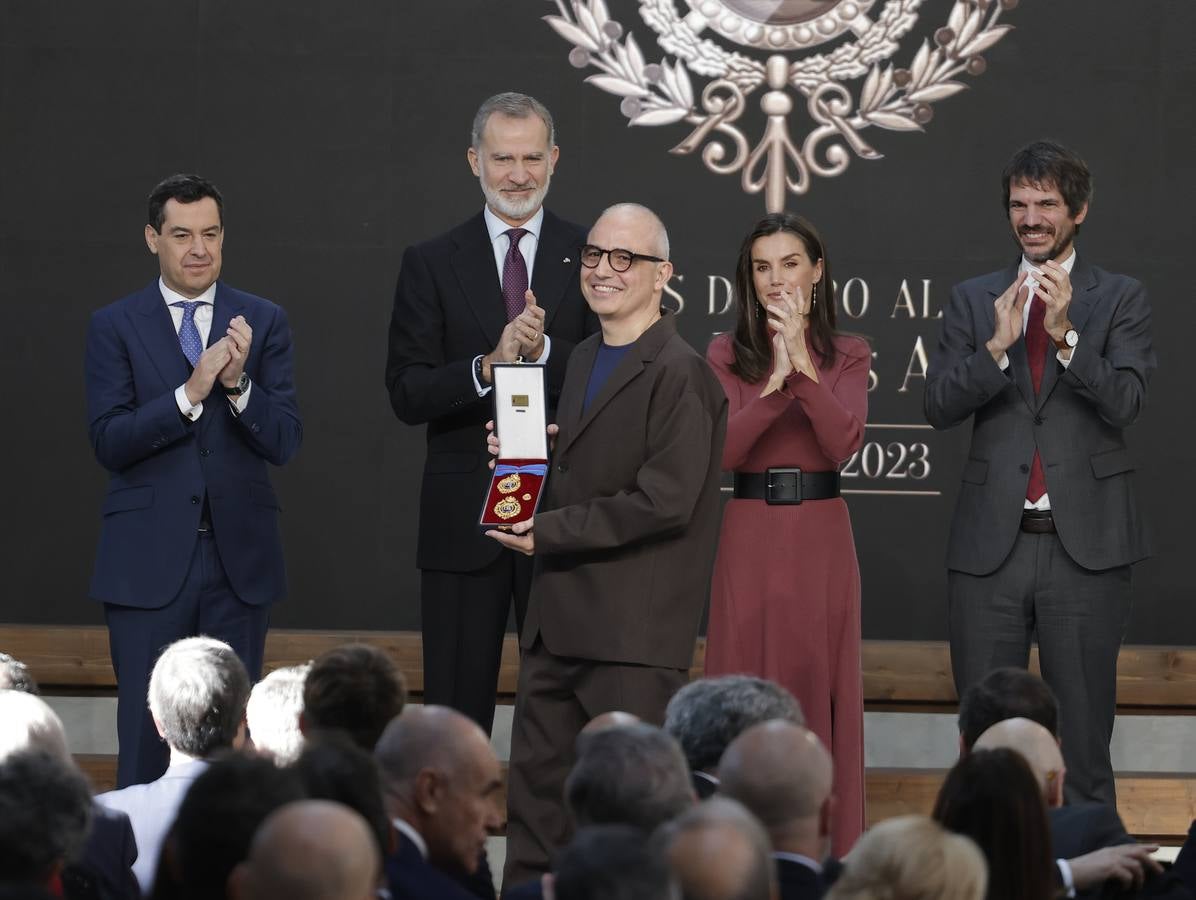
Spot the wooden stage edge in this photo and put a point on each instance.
(898, 675)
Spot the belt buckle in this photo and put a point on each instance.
(782, 486)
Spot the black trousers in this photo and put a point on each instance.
(464, 620)
(1079, 617)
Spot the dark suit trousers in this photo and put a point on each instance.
(464, 620)
(1079, 617)
(206, 604)
(556, 697)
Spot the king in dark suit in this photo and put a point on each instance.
(624, 542)
(189, 396)
(1052, 359)
(463, 302)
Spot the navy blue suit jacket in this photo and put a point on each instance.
(161, 465)
(411, 877)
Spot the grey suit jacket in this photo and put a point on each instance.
(151, 809)
(625, 538)
(1076, 421)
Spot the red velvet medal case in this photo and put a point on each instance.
(520, 420)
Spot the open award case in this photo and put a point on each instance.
(520, 420)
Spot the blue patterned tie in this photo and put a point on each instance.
(188, 334)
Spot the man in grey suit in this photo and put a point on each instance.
(1052, 358)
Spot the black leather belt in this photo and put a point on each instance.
(784, 485)
(1038, 521)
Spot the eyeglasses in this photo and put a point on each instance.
(620, 260)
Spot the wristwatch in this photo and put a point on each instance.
(239, 388)
(1071, 337)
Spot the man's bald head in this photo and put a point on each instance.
(642, 217)
(1039, 748)
(718, 851)
(782, 774)
(310, 850)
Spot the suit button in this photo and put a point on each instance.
(204, 451)
(195, 499)
(561, 467)
(1038, 420)
(1023, 468)
(255, 428)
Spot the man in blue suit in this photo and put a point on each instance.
(189, 395)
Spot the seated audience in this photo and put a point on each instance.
(45, 811)
(1185, 862)
(15, 676)
(104, 866)
(275, 704)
(310, 850)
(992, 797)
(332, 767)
(216, 823)
(197, 696)
(709, 713)
(911, 858)
(442, 785)
(718, 851)
(783, 775)
(1089, 839)
(612, 862)
(355, 688)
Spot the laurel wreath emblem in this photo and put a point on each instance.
(892, 98)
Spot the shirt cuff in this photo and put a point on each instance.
(1069, 882)
(185, 407)
(1003, 362)
(1066, 362)
(473, 373)
(543, 360)
(240, 401)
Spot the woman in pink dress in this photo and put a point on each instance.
(785, 600)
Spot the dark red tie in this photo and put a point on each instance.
(1036, 351)
(514, 275)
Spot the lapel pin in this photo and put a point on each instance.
(566, 259)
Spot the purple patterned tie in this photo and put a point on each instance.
(514, 275)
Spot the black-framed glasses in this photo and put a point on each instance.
(620, 260)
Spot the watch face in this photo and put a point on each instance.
(1072, 338)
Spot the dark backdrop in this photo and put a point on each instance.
(337, 131)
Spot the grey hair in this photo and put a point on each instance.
(14, 675)
(629, 775)
(662, 234)
(514, 105)
(273, 713)
(707, 714)
(45, 813)
(712, 823)
(27, 723)
(197, 693)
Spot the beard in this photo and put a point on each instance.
(511, 207)
(1063, 237)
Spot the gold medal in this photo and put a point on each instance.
(507, 508)
(510, 484)
(527, 497)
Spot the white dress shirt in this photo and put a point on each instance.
(501, 242)
(1043, 502)
(203, 324)
(404, 828)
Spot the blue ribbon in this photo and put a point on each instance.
(540, 469)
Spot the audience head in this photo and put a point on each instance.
(15, 676)
(1037, 746)
(440, 775)
(992, 797)
(718, 851)
(310, 850)
(1006, 693)
(912, 858)
(45, 812)
(783, 775)
(612, 862)
(628, 775)
(356, 688)
(273, 714)
(332, 767)
(28, 723)
(613, 719)
(197, 695)
(217, 820)
(707, 714)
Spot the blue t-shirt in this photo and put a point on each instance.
(604, 363)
